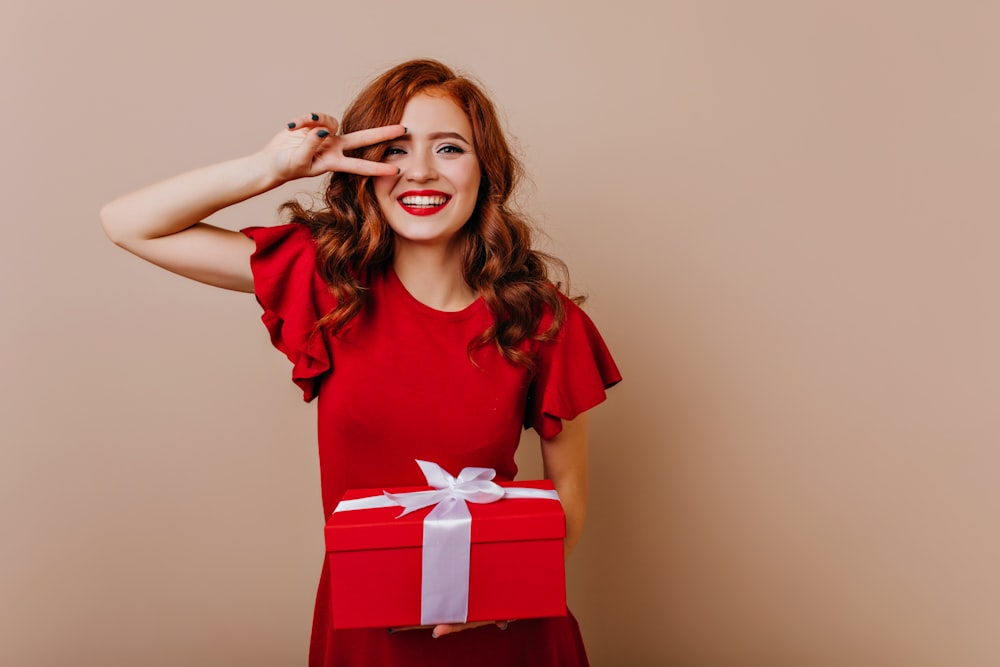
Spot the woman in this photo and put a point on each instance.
(412, 305)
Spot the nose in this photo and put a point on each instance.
(419, 167)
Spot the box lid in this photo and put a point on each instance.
(506, 520)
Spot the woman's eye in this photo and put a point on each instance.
(451, 149)
(394, 150)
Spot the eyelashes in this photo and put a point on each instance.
(448, 149)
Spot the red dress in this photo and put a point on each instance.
(397, 385)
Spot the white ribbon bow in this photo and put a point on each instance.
(473, 485)
(444, 584)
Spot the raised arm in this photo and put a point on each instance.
(162, 223)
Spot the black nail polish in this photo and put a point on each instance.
(406, 130)
(291, 126)
(399, 170)
(392, 630)
(323, 134)
(315, 117)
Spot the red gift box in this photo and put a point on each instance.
(516, 560)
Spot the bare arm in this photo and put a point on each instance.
(162, 223)
(564, 460)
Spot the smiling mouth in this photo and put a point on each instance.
(423, 203)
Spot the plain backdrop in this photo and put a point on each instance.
(784, 214)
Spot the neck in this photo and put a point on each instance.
(433, 276)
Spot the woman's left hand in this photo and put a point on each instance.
(450, 628)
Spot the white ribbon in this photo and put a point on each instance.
(447, 541)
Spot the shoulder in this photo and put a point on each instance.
(291, 236)
(573, 336)
(563, 311)
(573, 369)
(284, 264)
(283, 252)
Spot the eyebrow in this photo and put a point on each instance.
(438, 135)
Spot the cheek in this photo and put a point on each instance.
(382, 187)
(468, 179)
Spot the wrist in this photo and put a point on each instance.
(259, 172)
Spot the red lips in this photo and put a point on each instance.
(423, 207)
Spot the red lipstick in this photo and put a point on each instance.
(423, 202)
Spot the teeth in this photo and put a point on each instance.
(422, 200)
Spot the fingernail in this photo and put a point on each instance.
(503, 626)
(435, 635)
(315, 117)
(406, 130)
(392, 630)
(323, 134)
(291, 126)
(399, 170)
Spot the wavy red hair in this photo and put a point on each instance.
(355, 242)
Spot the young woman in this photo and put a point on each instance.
(413, 306)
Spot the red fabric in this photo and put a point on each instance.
(396, 385)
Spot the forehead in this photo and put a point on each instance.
(426, 113)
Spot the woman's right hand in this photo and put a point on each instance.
(311, 147)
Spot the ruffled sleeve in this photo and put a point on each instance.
(294, 297)
(574, 370)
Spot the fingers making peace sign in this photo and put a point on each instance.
(311, 147)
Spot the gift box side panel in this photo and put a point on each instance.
(510, 580)
(379, 588)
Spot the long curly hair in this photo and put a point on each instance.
(355, 242)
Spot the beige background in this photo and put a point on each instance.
(782, 213)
